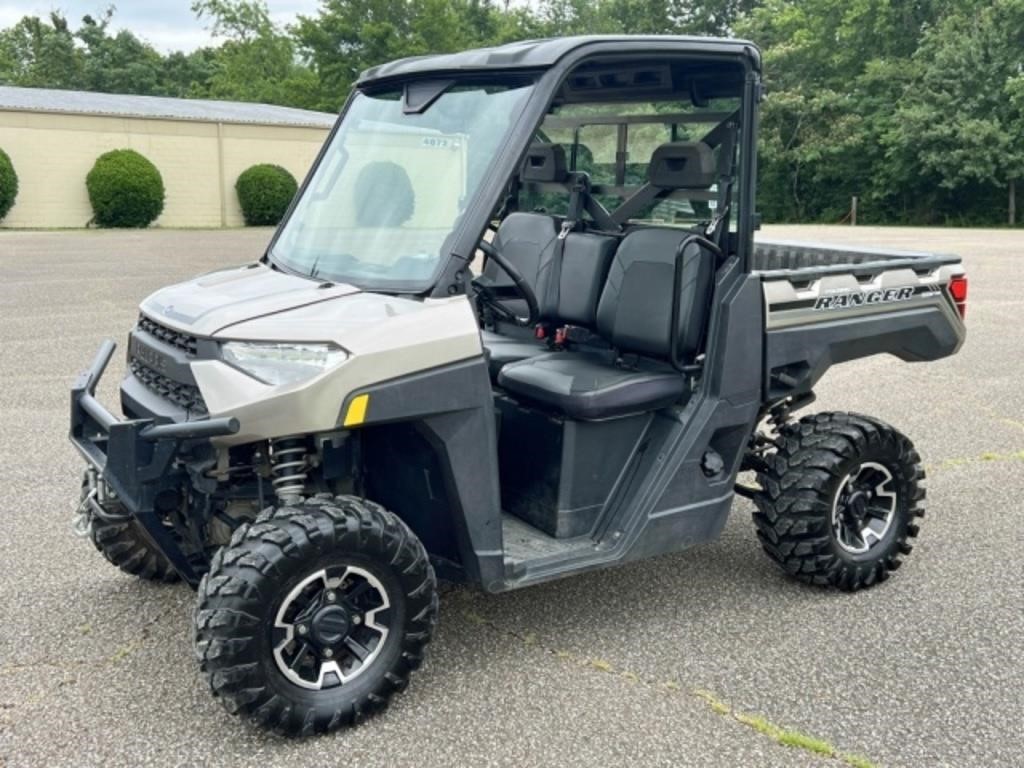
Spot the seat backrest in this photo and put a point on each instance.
(523, 238)
(636, 306)
(567, 291)
(635, 310)
(568, 295)
(566, 280)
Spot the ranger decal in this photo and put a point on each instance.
(846, 300)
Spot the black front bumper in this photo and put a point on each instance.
(136, 457)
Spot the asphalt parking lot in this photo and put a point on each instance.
(702, 658)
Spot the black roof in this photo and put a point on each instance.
(540, 54)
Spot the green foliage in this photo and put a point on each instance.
(40, 53)
(961, 123)
(258, 62)
(264, 193)
(8, 184)
(917, 108)
(125, 190)
(909, 106)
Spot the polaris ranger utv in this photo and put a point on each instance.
(514, 327)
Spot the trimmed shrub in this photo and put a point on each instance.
(265, 192)
(8, 184)
(125, 189)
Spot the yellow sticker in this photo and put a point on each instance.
(356, 413)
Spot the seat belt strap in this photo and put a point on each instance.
(578, 194)
(726, 168)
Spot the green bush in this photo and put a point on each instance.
(264, 192)
(125, 190)
(8, 184)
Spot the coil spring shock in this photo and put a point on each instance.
(288, 463)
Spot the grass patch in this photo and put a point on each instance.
(782, 736)
(803, 741)
(960, 461)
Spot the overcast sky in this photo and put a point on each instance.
(169, 25)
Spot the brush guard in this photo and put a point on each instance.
(136, 458)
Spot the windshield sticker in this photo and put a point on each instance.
(430, 141)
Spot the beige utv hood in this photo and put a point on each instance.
(207, 304)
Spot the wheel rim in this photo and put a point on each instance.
(864, 508)
(331, 627)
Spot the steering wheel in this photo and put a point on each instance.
(486, 293)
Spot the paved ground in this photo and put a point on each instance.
(608, 668)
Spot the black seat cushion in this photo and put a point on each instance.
(589, 387)
(502, 350)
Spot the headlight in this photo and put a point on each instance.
(282, 363)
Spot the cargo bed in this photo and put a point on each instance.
(826, 304)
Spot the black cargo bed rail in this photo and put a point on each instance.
(787, 260)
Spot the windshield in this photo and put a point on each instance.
(391, 186)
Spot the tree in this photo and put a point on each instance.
(120, 63)
(961, 123)
(40, 53)
(258, 61)
(349, 36)
(188, 75)
(834, 73)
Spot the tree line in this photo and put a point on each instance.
(914, 106)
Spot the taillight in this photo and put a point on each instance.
(958, 290)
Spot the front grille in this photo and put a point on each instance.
(182, 341)
(185, 396)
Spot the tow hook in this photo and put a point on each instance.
(95, 495)
(81, 521)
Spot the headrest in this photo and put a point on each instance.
(682, 165)
(545, 163)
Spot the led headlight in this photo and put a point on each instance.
(282, 363)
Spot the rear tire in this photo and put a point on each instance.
(315, 615)
(839, 500)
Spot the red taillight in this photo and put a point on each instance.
(958, 290)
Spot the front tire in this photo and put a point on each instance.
(839, 500)
(121, 541)
(315, 615)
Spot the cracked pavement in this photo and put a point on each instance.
(612, 667)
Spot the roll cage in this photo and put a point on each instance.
(570, 70)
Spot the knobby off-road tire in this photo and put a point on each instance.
(123, 544)
(832, 473)
(285, 573)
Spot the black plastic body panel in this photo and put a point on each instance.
(452, 411)
(557, 474)
(661, 500)
(801, 354)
